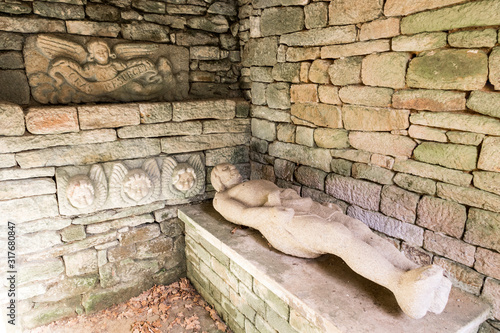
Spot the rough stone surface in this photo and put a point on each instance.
(457, 121)
(398, 7)
(472, 14)
(373, 173)
(261, 52)
(354, 191)
(294, 54)
(279, 21)
(318, 72)
(346, 71)
(52, 121)
(355, 49)
(382, 143)
(329, 94)
(487, 103)
(331, 138)
(60, 11)
(482, 228)
(427, 133)
(442, 216)
(448, 155)
(383, 28)
(494, 62)
(398, 203)
(469, 196)
(304, 136)
(102, 29)
(203, 142)
(157, 130)
(287, 72)
(341, 167)
(432, 100)
(263, 129)
(319, 37)
(107, 116)
(462, 276)
(310, 177)
(31, 25)
(433, 172)
(449, 247)
(352, 11)
(491, 292)
(488, 181)
(365, 95)
(11, 120)
(363, 118)
(385, 69)
(28, 209)
(449, 69)
(314, 157)
(485, 262)
(40, 271)
(216, 109)
(318, 114)
(278, 95)
(352, 155)
(304, 93)
(14, 189)
(489, 159)
(415, 183)
(316, 15)
(473, 39)
(155, 112)
(420, 42)
(465, 138)
(14, 87)
(80, 263)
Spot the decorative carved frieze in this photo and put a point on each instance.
(64, 69)
(84, 189)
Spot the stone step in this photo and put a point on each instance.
(325, 290)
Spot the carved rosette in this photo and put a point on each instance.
(183, 180)
(136, 186)
(83, 193)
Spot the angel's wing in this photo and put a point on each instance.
(199, 169)
(101, 187)
(152, 170)
(129, 51)
(118, 174)
(53, 47)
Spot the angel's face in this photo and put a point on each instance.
(101, 54)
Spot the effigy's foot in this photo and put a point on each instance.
(417, 291)
(441, 296)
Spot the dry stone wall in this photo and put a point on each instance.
(93, 192)
(390, 109)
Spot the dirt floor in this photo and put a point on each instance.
(174, 308)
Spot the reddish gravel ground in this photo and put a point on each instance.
(174, 308)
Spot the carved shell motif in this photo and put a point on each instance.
(83, 193)
(136, 186)
(183, 180)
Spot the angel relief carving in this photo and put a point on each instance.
(67, 71)
(183, 180)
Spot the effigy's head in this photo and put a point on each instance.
(224, 176)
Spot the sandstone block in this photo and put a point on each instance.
(80, 263)
(217, 24)
(382, 161)
(204, 53)
(491, 292)
(442, 216)
(149, 6)
(278, 95)
(73, 233)
(234, 155)
(155, 112)
(331, 138)
(316, 15)
(487, 103)
(352, 155)
(488, 181)
(296, 54)
(329, 94)
(469, 196)
(224, 126)
(462, 276)
(365, 95)
(427, 133)
(318, 114)
(287, 72)
(304, 136)
(399, 8)
(14, 189)
(341, 167)
(351, 11)
(14, 86)
(355, 49)
(264, 129)
(69, 287)
(286, 133)
(346, 71)
(258, 93)
(321, 36)
(304, 71)
(315, 157)
(15, 8)
(318, 72)
(448, 155)
(281, 20)
(385, 69)
(482, 13)
(473, 38)
(420, 42)
(31, 25)
(106, 116)
(382, 143)
(410, 233)
(274, 3)
(415, 183)
(7, 160)
(304, 93)
(40, 271)
(101, 12)
(359, 192)
(16, 144)
(494, 62)
(485, 262)
(451, 248)
(260, 52)
(145, 31)
(433, 172)
(28, 209)
(373, 173)
(311, 177)
(382, 28)
(489, 159)
(140, 234)
(432, 100)
(102, 29)
(457, 121)
(185, 144)
(363, 118)
(52, 120)
(269, 114)
(482, 228)
(215, 109)
(449, 69)
(11, 120)
(465, 138)
(13, 174)
(58, 10)
(154, 248)
(261, 74)
(398, 203)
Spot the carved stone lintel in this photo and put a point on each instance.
(183, 180)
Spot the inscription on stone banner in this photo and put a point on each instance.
(64, 70)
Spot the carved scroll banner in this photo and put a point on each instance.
(86, 189)
(72, 69)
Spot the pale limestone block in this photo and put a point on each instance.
(373, 173)
(205, 52)
(273, 3)
(489, 159)
(473, 38)
(494, 62)
(355, 49)
(329, 94)
(351, 11)
(465, 138)
(491, 292)
(382, 28)
(80, 263)
(346, 71)
(365, 95)
(433, 172)
(382, 143)
(432, 100)
(385, 69)
(73, 233)
(415, 184)
(185, 144)
(255, 27)
(260, 52)
(427, 133)
(457, 121)
(331, 138)
(382, 161)
(364, 118)
(108, 116)
(354, 191)
(287, 72)
(155, 112)
(442, 216)
(39, 271)
(449, 247)
(304, 136)
(482, 229)
(316, 15)
(261, 74)
(469, 196)
(318, 72)
(321, 36)
(304, 71)
(399, 8)
(316, 157)
(462, 276)
(37, 242)
(31, 25)
(13, 174)
(281, 20)
(28, 209)
(488, 181)
(102, 29)
(449, 155)
(224, 126)
(352, 155)
(318, 114)
(263, 129)
(304, 93)
(146, 31)
(7, 160)
(398, 203)
(286, 133)
(53, 223)
(487, 103)
(264, 112)
(420, 42)
(278, 95)
(258, 92)
(52, 120)
(163, 129)
(31, 290)
(11, 120)
(14, 189)
(485, 262)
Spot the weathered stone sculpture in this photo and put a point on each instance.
(301, 227)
